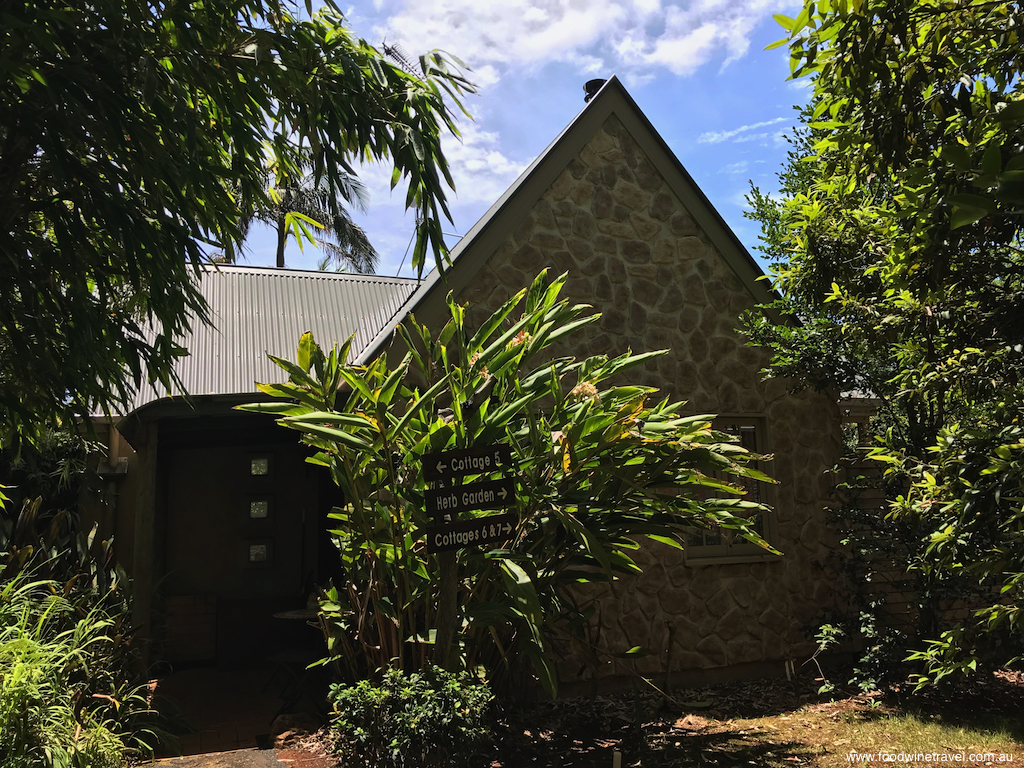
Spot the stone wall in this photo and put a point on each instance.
(635, 253)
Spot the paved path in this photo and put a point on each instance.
(249, 758)
(238, 758)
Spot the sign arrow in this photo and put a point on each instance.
(482, 460)
(489, 494)
(482, 531)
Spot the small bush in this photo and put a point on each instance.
(427, 719)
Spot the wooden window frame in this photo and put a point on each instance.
(740, 550)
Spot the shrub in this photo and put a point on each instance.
(425, 719)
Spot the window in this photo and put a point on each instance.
(723, 546)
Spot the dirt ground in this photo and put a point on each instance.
(770, 723)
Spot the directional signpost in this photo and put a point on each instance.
(444, 503)
(490, 494)
(483, 530)
(449, 465)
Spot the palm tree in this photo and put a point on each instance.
(343, 242)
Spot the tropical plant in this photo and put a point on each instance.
(427, 719)
(597, 468)
(898, 247)
(72, 685)
(130, 131)
(342, 241)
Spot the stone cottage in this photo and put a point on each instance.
(610, 204)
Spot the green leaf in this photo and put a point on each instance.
(307, 349)
(784, 21)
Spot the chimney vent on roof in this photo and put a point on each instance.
(591, 87)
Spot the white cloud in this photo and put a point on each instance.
(481, 171)
(717, 137)
(632, 36)
(740, 167)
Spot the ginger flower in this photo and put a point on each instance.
(483, 369)
(584, 391)
(521, 338)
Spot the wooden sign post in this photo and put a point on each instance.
(449, 535)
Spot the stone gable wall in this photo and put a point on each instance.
(633, 251)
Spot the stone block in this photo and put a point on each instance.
(704, 268)
(602, 287)
(528, 259)
(664, 251)
(631, 196)
(647, 292)
(687, 379)
(637, 318)
(581, 250)
(647, 175)
(728, 397)
(613, 320)
(705, 582)
(773, 645)
(605, 244)
(546, 240)
(582, 192)
(713, 649)
(619, 229)
(687, 319)
(718, 295)
(711, 323)
(564, 208)
(511, 277)
(671, 299)
(602, 141)
(577, 168)
(595, 265)
(602, 203)
(621, 296)
(562, 186)
(580, 289)
(743, 648)
(617, 271)
(590, 158)
(564, 226)
(662, 206)
(721, 602)
(629, 149)
(653, 580)
(693, 290)
(722, 347)
(636, 251)
(683, 225)
(524, 229)
(751, 400)
(690, 248)
(583, 224)
(710, 378)
(697, 347)
(646, 228)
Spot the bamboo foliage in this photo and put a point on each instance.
(598, 466)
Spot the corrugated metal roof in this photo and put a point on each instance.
(259, 310)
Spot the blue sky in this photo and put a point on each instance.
(697, 68)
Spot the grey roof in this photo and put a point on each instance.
(258, 310)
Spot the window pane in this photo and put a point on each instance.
(259, 466)
(259, 509)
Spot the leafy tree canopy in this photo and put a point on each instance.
(898, 246)
(130, 131)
